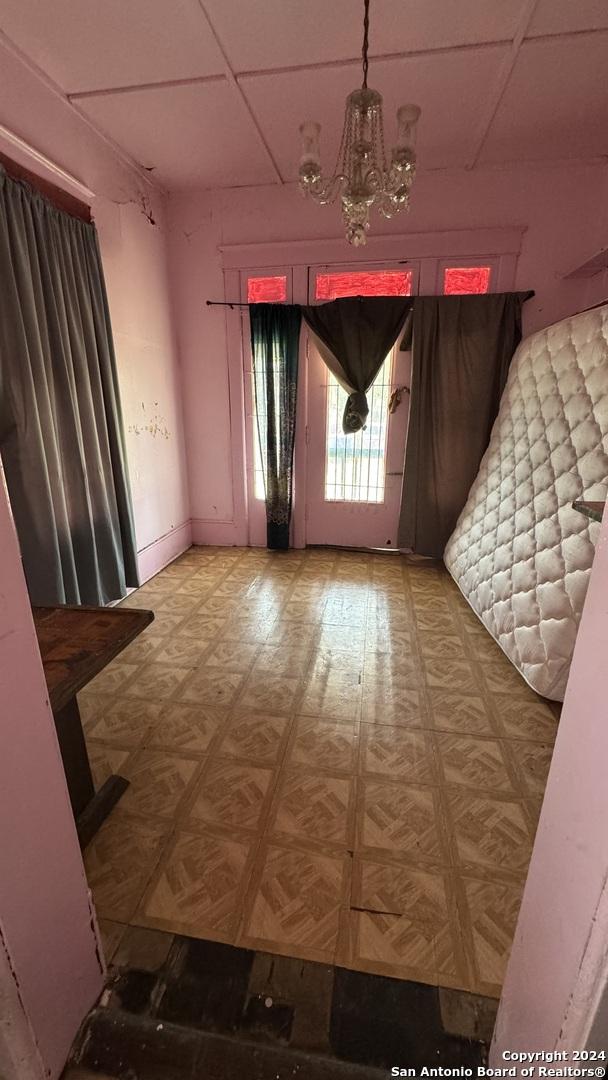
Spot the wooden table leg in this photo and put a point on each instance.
(90, 808)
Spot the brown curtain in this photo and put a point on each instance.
(461, 351)
(354, 335)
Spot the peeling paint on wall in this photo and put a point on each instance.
(156, 426)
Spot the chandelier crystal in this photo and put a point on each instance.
(362, 177)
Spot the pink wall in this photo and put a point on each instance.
(136, 269)
(562, 932)
(45, 916)
(135, 265)
(564, 210)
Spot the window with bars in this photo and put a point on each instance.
(355, 465)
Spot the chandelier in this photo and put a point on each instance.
(362, 177)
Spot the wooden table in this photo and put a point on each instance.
(76, 643)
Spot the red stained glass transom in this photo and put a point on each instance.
(364, 283)
(459, 280)
(267, 290)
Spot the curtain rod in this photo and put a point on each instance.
(227, 303)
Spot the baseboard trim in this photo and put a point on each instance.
(218, 533)
(161, 552)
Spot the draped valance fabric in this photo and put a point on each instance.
(461, 351)
(275, 337)
(61, 438)
(354, 335)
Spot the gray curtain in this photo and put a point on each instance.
(61, 439)
(354, 335)
(461, 351)
(275, 339)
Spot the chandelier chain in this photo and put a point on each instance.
(365, 48)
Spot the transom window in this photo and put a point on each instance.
(363, 283)
(267, 290)
(461, 280)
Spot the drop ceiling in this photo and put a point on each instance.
(210, 93)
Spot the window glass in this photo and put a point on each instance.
(267, 290)
(460, 280)
(363, 283)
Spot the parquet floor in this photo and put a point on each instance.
(329, 758)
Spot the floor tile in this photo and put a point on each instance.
(489, 832)
(465, 713)
(313, 807)
(105, 760)
(453, 675)
(291, 719)
(184, 652)
(211, 686)
(501, 677)
(323, 744)
(473, 762)
(231, 655)
(119, 861)
(530, 720)
(256, 737)
(398, 754)
(157, 782)
(111, 934)
(203, 627)
(125, 721)
(403, 924)
(282, 660)
(438, 646)
(187, 729)
(198, 887)
(401, 819)
(231, 794)
(157, 681)
(113, 677)
(270, 693)
(296, 907)
(492, 910)
(532, 762)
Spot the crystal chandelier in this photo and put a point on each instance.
(362, 177)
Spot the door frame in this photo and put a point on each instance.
(498, 246)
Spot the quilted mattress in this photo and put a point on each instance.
(519, 553)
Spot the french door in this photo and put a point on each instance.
(353, 489)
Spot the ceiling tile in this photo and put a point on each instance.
(564, 16)
(95, 44)
(556, 103)
(193, 136)
(284, 33)
(446, 133)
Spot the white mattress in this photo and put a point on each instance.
(519, 553)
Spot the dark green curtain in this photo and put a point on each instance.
(275, 337)
(61, 438)
(461, 351)
(354, 335)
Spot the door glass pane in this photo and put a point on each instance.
(363, 283)
(355, 465)
(461, 280)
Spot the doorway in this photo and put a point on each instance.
(348, 487)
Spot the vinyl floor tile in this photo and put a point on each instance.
(330, 758)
